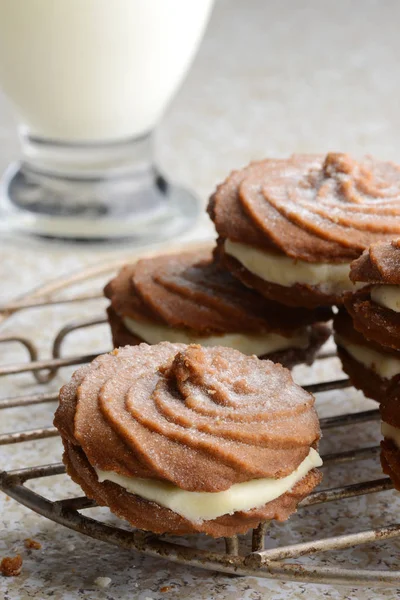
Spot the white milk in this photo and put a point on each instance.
(95, 70)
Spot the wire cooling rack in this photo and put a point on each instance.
(279, 562)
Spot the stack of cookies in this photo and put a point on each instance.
(367, 328)
(367, 335)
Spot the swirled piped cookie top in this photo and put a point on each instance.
(313, 208)
(201, 419)
(190, 291)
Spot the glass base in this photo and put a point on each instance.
(94, 193)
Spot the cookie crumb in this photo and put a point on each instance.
(103, 582)
(29, 543)
(166, 588)
(11, 566)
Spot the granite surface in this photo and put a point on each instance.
(270, 78)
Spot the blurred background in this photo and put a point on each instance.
(272, 78)
(275, 77)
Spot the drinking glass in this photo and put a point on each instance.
(88, 80)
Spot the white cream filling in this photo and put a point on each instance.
(204, 506)
(391, 433)
(387, 296)
(285, 271)
(385, 365)
(246, 343)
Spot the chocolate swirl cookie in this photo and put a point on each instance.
(188, 298)
(290, 228)
(160, 433)
(390, 445)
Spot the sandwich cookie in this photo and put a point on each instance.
(290, 228)
(188, 298)
(183, 439)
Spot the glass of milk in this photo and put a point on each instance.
(88, 81)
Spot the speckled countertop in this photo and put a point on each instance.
(270, 78)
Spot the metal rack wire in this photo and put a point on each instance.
(261, 562)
